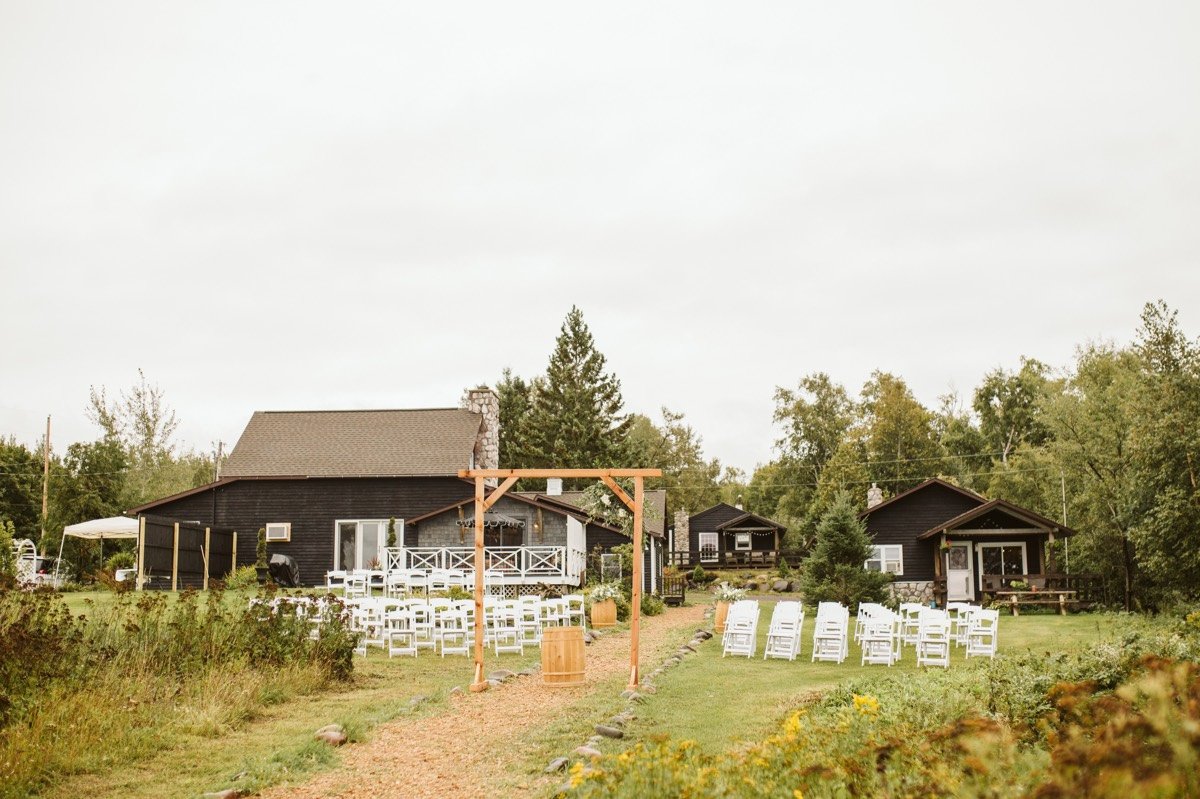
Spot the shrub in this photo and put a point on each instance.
(260, 549)
(834, 571)
(652, 605)
(624, 609)
(243, 578)
(120, 560)
(785, 571)
(699, 576)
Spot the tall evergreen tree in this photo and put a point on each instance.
(901, 441)
(834, 571)
(575, 417)
(515, 396)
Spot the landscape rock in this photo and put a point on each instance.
(456, 690)
(494, 683)
(609, 732)
(616, 721)
(781, 585)
(323, 730)
(557, 764)
(228, 793)
(647, 688)
(418, 700)
(751, 585)
(688, 647)
(705, 634)
(794, 585)
(331, 737)
(501, 674)
(587, 751)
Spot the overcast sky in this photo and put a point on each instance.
(373, 205)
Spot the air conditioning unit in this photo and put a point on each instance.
(279, 531)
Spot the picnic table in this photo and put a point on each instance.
(1043, 596)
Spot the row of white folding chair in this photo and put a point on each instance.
(983, 633)
(960, 620)
(741, 628)
(933, 638)
(830, 635)
(783, 636)
(878, 630)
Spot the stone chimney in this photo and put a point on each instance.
(483, 400)
(682, 531)
(554, 486)
(874, 496)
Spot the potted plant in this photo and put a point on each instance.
(725, 594)
(260, 560)
(604, 604)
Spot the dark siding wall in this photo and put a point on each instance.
(606, 540)
(312, 506)
(902, 521)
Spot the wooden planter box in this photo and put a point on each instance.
(604, 614)
(719, 618)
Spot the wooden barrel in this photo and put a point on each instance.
(720, 616)
(562, 656)
(604, 614)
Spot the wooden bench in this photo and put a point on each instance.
(1048, 596)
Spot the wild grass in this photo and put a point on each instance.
(83, 694)
(1113, 717)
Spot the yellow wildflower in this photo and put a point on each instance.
(797, 794)
(866, 705)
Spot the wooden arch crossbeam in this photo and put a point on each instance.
(509, 478)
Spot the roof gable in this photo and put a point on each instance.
(935, 484)
(390, 443)
(984, 517)
(722, 515)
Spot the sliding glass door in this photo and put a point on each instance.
(359, 544)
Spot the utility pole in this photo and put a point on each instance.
(1062, 477)
(45, 485)
(217, 461)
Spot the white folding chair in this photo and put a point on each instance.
(983, 633)
(741, 629)
(783, 636)
(355, 585)
(574, 609)
(879, 640)
(933, 638)
(829, 637)
(452, 632)
(910, 621)
(399, 631)
(506, 637)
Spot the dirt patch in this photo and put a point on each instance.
(463, 749)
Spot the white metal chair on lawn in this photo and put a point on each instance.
(400, 632)
(335, 580)
(554, 612)
(783, 636)
(983, 633)
(506, 637)
(574, 609)
(355, 586)
(395, 584)
(933, 639)
(879, 640)
(910, 621)
(416, 583)
(453, 633)
(960, 621)
(423, 624)
(741, 629)
(829, 637)
(366, 618)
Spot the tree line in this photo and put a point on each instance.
(1110, 445)
(134, 460)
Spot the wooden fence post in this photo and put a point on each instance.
(175, 561)
(207, 539)
(233, 565)
(141, 576)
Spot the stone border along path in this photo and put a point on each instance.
(469, 747)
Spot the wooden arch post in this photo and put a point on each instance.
(483, 501)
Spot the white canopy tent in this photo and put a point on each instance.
(97, 530)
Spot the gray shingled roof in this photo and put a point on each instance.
(355, 443)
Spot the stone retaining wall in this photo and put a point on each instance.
(920, 591)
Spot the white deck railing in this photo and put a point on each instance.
(546, 564)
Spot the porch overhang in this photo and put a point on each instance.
(1034, 523)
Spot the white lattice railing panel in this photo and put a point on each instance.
(546, 563)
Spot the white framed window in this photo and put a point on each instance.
(279, 531)
(708, 546)
(741, 541)
(886, 558)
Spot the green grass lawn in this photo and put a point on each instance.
(721, 701)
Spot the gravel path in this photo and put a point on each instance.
(476, 737)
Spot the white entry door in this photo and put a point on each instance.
(960, 577)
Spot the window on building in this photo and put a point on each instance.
(886, 558)
(741, 541)
(708, 546)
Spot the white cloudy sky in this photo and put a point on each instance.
(344, 205)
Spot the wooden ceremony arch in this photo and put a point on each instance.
(510, 477)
